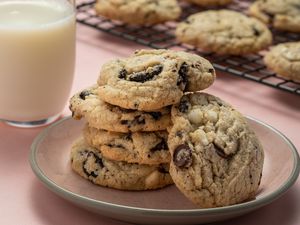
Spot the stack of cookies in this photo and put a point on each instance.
(116, 151)
(148, 125)
(128, 113)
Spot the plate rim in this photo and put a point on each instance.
(253, 204)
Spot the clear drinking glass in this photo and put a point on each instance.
(37, 56)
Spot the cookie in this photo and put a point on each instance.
(224, 32)
(102, 115)
(210, 2)
(89, 163)
(152, 79)
(216, 158)
(282, 15)
(284, 59)
(137, 147)
(139, 12)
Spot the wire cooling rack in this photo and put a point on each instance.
(250, 67)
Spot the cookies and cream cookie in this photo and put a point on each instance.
(102, 115)
(224, 32)
(217, 159)
(152, 79)
(139, 12)
(284, 59)
(137, 147)
(281, 14)
(89, 163)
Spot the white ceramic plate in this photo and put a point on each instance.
(49, 160)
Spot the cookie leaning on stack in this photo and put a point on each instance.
(216, 158)
(128, 113)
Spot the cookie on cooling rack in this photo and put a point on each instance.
(89, 163)
(284, 59)
(283, 15)
(216, 158)
(224, 32)
(139, 12)
(152, 79)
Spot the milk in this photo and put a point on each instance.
(37, 53)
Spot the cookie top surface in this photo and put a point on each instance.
(224, 32)
(284, 59)
(210, 2)
(137, 147)
(283, 15)
(139, 12)
(89, 163)
(152, 79)
(102, 115)
(216, 158)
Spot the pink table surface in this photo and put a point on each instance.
(25, 200)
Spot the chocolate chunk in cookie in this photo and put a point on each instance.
(182, 156)
(96, 160)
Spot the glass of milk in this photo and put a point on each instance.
(37, 54)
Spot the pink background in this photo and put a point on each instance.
(24, 199)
